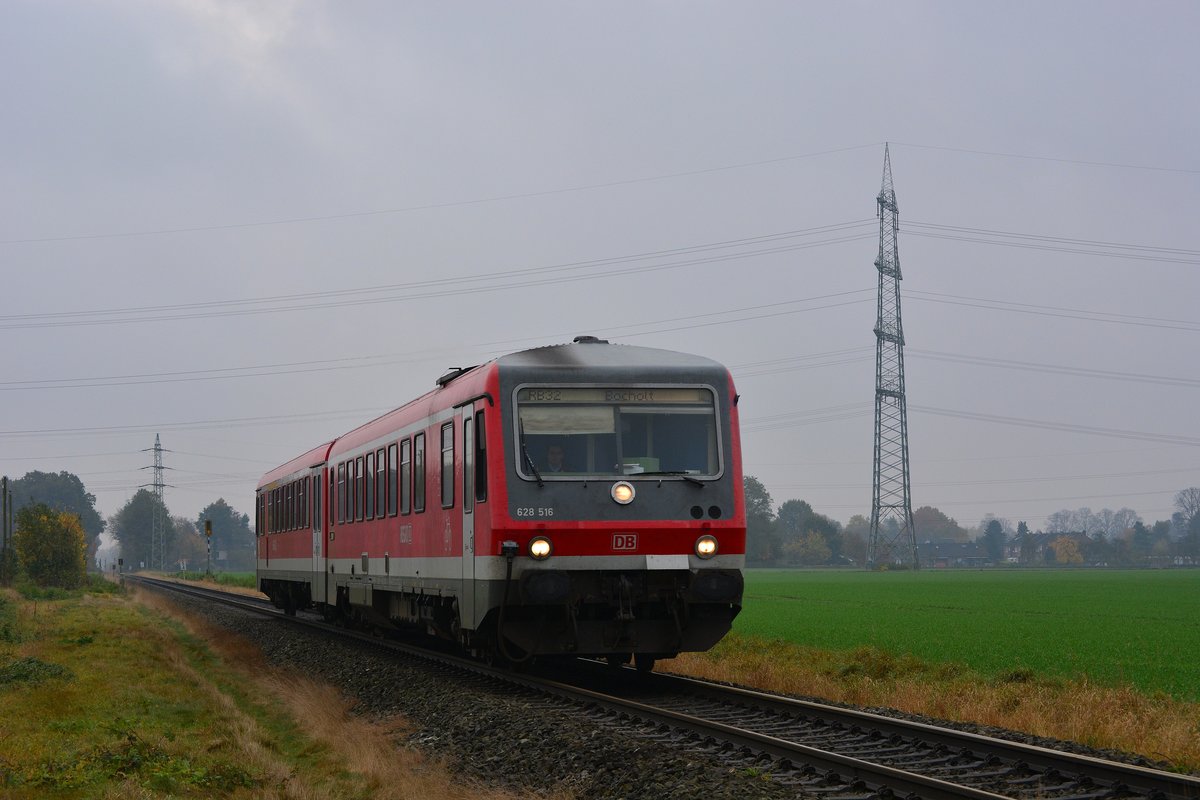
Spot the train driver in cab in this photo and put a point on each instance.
(555, 458)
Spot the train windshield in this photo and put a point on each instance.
(575, 432)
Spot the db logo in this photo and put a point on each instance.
(624, 541)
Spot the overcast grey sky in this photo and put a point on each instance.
(286, 217)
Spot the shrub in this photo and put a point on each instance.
(51, 546)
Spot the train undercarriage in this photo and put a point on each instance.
(624, 616)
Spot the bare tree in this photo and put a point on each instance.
(1059, 522)
(1188, 503)
(1083, 520)
(1124, 519)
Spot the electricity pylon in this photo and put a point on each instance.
(893, 538)
(158, 534)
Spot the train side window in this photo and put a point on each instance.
(302, 522)
(480, 459)
(393, 475)
(405, 476)
(381, 479)
(341, 493)
(419, 472)
(289, 505)
(369, 487)
(331, 498)
(274, 511)
(358, 489)
(448, 465)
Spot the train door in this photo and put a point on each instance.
(318, 538)
(465, 421)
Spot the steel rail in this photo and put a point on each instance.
(1143, 780)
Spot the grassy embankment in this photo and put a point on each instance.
(112, 696)
(244, 580)
(1103, 658)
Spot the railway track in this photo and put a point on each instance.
(819, 750)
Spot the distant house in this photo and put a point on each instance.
(948, 553)
(1035, 548)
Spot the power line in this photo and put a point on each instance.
(460, 279)
(574, 271)
(385, 359)
(1056, 239)
(565, 190)
(1056, 369)
(1046, 248)
(1009, 481)
(274, 419)
(309, 301)
(1056, 311)
(1049, 158)
(432, 206)
(1189, 441)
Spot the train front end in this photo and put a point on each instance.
(624, 522)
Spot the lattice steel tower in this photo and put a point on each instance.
(158, 534)
(893, 538)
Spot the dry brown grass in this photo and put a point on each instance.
(220, 587)
(370, 748)
(1158, 727)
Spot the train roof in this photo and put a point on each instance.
(588, 352)
(313, 457)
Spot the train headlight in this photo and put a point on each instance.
(706, 546)
(540, 548)
(622, 492)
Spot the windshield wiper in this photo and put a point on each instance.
(528, 458)
(687, 476)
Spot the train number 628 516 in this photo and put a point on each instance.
(535, 512)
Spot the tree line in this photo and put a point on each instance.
(794, 534)
(57, 533)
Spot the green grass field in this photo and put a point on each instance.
(1115, 627)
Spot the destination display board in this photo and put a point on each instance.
(616, 394)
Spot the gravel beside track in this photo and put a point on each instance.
(510, 738)
(523, 738)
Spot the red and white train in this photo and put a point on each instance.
(579, 499)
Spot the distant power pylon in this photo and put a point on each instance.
(158, 536)
(893, 538)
